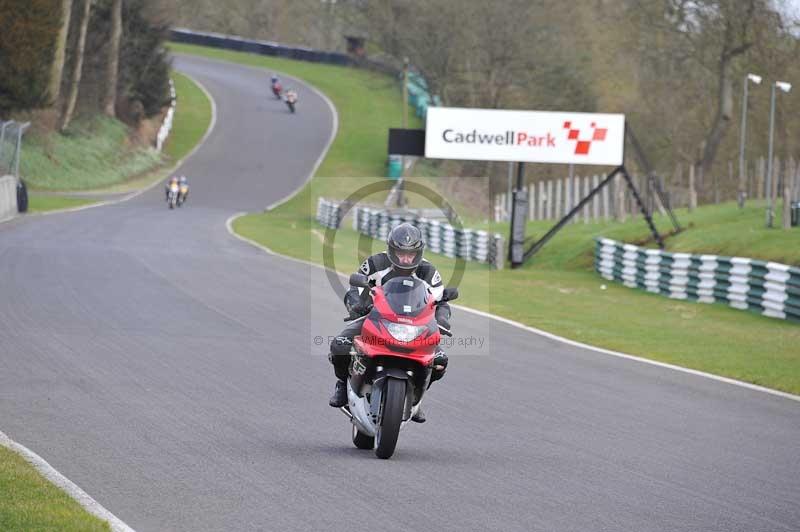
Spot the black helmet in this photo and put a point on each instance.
(405, 238)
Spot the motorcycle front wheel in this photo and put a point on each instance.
(394, 398)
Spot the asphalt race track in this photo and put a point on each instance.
(168, 369)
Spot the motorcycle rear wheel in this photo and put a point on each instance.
(394, 397)
(361, 440)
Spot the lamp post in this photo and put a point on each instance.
(785, 87)
(757, 80)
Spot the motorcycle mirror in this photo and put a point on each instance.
(450, 294)
(359, 280)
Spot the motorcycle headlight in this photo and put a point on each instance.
(403, 332)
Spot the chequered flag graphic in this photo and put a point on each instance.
(582, 146)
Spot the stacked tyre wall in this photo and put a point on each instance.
(440, 237)
(769, 288)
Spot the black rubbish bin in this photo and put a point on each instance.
(22, 196)
(795, 213)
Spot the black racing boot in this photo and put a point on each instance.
(339, 397)
(419, 417)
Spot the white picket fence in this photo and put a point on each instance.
(551, 200)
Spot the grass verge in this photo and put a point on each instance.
(31, 502)
(44, 203)
(558, 292)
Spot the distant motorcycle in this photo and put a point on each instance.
(291, 100)
(172, 195)
(276, 90)
(183, 193)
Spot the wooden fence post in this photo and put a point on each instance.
(776, 174)
(531, 202)
(541, 198)
(760, 173)
(742, 185)
(787, 199)
(559, 194)
(588, 206)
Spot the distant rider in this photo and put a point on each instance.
(170, 182)
(403, 257)
(183, 188)
(275, 85)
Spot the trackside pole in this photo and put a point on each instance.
(519, 211)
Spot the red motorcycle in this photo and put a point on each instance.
(391, 360)
(276, 90)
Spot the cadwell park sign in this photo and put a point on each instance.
(525, 136)
(596, 139)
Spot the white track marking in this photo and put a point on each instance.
(60, 481)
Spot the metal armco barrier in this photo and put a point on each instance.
(769, 288)
(417, 84)
(231, 42)
(8, 197)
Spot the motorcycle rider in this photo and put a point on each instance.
(183, 188)
(172, 180)
(291, 98)
(403, 257)
(275, 85)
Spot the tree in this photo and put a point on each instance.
(27, 36)
(708, 35)
(75, 79)
(112, 67)
(54, 89)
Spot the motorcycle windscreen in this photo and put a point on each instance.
(407, 296)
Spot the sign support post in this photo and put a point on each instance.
(519, 211)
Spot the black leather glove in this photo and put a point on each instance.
(354, 304)
(358, 310)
